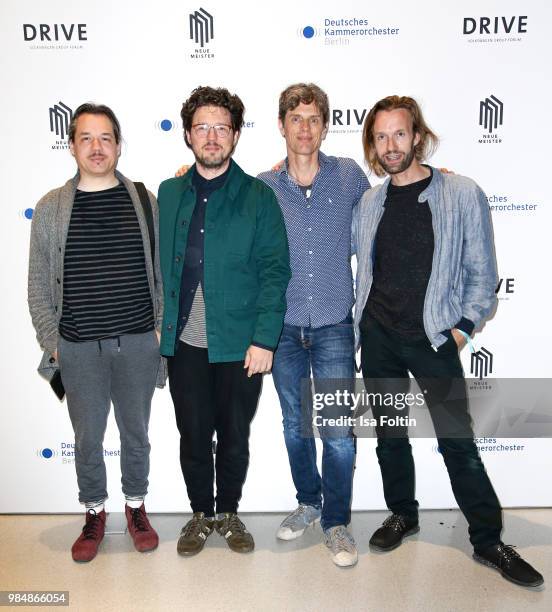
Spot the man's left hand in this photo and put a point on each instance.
(459, 338)
(257, 360)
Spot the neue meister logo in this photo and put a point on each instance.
(60, 118)
(201, 27)
(491, 113)
(481, 363)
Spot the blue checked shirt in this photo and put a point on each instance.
(319, 233)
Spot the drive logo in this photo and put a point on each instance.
(505, 288)
(497, 29)
(55, 36)
(481, 363)
(495, 25)
(202, 33)
(347, 120)
(491, 116)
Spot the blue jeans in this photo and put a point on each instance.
(329, 352)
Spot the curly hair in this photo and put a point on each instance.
(209, 96)
(426, 146)
(305, 93)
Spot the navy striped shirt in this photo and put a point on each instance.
(105, 284)
(319, 233)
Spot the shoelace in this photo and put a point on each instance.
(289, 520)
(193, 527)
(395, 521)
(138, 519)
(343, 540)
(232, 523)
(507, 553)
(92, 524)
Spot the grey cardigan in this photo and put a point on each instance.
(49, 229)
(463, 275)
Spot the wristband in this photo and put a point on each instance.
(468, 339)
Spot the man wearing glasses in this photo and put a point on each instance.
(224, 257)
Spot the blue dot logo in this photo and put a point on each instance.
(28, 213)
(308, 32)
(166, 125)
(47, 453)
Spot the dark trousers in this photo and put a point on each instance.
(209, 398)
(386, 359)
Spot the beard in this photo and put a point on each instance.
(215, 159)
(404, 165)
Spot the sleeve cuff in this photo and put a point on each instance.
(465, 325)
(263, 346)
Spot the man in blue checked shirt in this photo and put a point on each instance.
(317, 194)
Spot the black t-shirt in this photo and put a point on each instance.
(403, 256)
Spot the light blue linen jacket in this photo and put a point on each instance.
(464, 275)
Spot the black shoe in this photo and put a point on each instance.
(507, 561)
(391, 533)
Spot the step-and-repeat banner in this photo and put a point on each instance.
(480, 70)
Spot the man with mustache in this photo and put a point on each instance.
(95, 299)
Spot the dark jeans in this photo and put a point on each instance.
(209, 398)
(329, 352)
(386, 355)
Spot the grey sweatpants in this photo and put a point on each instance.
(121, 370)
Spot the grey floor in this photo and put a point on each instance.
(430, 571)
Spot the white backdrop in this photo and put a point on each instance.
(138, 58)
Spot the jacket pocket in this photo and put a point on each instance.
(240, 300)
(239, 236)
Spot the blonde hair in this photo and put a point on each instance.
(426, 146)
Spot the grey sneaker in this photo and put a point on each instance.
(194, 534)
(342, 545)
(294, 525)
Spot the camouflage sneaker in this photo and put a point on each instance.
(294, 525)
(194, 534)
(233, 530)
(342, 545)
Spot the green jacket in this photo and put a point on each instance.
(246, 269)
